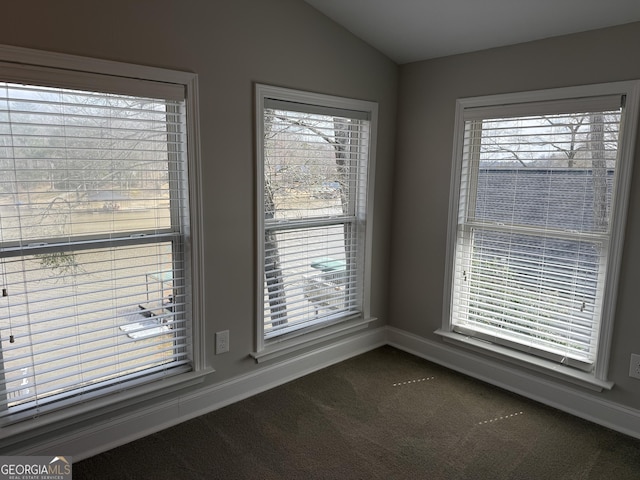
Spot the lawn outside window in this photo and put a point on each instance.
(537, 213)
(97, 245)
(315, 177)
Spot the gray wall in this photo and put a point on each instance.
(427, 94)
(230, 45)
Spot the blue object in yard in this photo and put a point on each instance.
(328, 264)
(332, 270)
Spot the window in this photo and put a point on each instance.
(315, 167)
(537, 216)
(96, 245)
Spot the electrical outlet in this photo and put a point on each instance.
(634, 368)
(222, 342)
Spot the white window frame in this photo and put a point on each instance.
(630, 90)
(266, 349)
(70, 71)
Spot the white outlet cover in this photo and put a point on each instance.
(222, 342)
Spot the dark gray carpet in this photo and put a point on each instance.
(381, 415)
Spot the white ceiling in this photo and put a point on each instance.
(412, 30)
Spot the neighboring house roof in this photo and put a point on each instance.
(558, 198)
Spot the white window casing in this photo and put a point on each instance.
(537, 213)
(315, 156)
(100, 247)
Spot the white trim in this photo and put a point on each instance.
(27, 56)
(575, 402)
(280, 347)
(122, 429)
(311, 98)
(100, 405)
(517, 357)
(371, 183)
(619, 220)
(259, 285)
(196, 224)
(452, 221)
(552, 94)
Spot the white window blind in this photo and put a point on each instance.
(534, 228)
(314, 161)
(93, 258)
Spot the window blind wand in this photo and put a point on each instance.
(5, 293)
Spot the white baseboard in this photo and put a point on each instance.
(581, 404)
(140, 422)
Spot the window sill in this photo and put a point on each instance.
(101, 404)
(279, 347)
(547, 367)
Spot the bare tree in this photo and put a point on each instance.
(572, 125)
(341, 142)
(272, 266)
(586, 141)
(599, 171)
(591, 144)
(339, 137)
